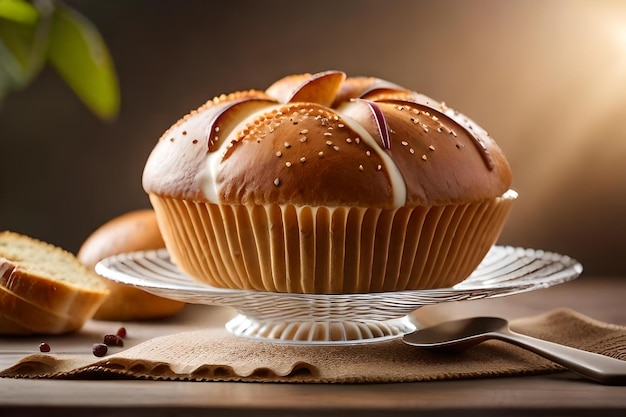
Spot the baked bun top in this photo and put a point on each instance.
(327, 140)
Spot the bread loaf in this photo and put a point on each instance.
(133, 231)
(44, 288)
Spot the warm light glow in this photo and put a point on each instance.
(586, 96)
(622, 36)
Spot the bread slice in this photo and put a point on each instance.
(38, 278)
(17, 313)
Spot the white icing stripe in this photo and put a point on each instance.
(207, 178)
(398, 186)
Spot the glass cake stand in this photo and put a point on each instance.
(339, 318)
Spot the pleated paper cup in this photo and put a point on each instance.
(329, 250)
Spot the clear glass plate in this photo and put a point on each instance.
(339, 318)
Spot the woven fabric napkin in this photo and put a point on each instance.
(216, 355)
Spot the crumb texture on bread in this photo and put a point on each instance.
(44, 288)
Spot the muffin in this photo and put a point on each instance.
(328, 184)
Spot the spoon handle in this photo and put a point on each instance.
(594, 366)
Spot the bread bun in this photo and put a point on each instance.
(43, 288)
(324, 183)
(288, 146)
(133, 231)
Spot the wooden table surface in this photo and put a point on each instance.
(562, 394)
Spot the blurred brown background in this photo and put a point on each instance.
(546, 78)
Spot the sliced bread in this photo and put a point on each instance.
(38, 277)
(32, 319)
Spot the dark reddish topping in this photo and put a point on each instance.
(99, 349)
(113, 340)
(381, 123)
(44, 347)
(121, 332)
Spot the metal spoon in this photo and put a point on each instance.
(461, 334)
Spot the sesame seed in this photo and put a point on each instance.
(287, 145)
(452, 133)
(279, 154)
(368, 153)
(288, 164)
(411, 150)
(277, 182)
(336, 148)
(357, 140)
(348, 140)
(405, 143)
(379, 167)
(424, 157)
(360, 167)
(217, 129)
(340, 125)
(303, 139)
(303, 159)
(327, 134)
(304, 131)
(329, 143)
(431, 147)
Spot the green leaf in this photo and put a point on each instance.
(22, 52)
(78, 53)
(18, 11)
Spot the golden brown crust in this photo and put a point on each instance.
(133, 231)
(21, 316)
(51, 295)
(327, 140)
(304, 150)
(43, 288)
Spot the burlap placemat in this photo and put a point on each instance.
(216, 355)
